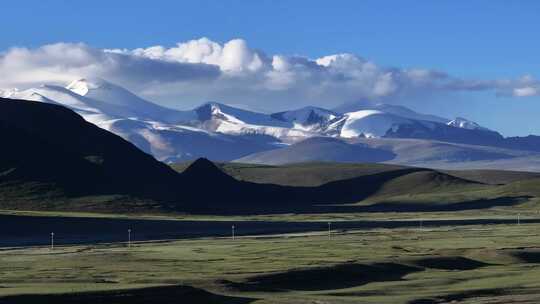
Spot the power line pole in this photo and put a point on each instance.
(52, 240)
(232, 230)
(129, 238)
(329, 231)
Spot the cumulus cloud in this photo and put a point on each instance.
(233, 57)
(63, 62)
(200, 70)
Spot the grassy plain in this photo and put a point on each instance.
(473, 264)
(458, 264)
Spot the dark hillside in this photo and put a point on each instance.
(51, 144)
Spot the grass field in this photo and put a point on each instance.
(421, 265)
(473, 264)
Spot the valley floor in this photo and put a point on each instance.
(465, 264)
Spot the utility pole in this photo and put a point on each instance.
(52, 240)
(129, 238)
(232, 230)
(329, 231)
(518, 219)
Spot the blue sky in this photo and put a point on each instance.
(483, 40)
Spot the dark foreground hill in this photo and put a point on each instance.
(52, 159)
(48, 147)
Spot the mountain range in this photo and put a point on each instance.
(359, 132)
(53, 159)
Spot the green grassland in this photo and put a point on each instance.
(473, 264)
(458, 264)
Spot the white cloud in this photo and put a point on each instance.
(525, 92)
(234, 56)
(385, 85)
(527, 86)
(63, 62)
(200, 70)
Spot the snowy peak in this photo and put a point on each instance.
(216, 111)
(83, 86)
(463, 123)
(58, 95)
(104, 91)
(369, 123)
(390, 109)
(221, 118)
(306, 117)
(408, 113)
(213, 111)
(117, 101)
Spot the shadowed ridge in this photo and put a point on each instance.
(45, 143)
(203, 170)
(210, 190)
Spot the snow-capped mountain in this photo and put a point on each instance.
(220, 118)
(397, 110)
(169, 135)
(371, 121)
(308, 118)
(121, 102)
(222, 132)
(464, 123)
(219, 111)
(367, 123)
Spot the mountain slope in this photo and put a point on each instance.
(319, 149)
(368, 123)
(408, 152)
(448, 133)
(308, 118)
(463, 123)
(396, 110)
(126, 103)
(223, 119)
(49, 144)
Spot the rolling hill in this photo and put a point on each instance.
(311, 174)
